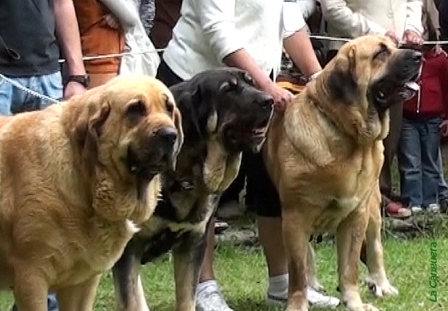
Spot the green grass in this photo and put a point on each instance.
(242, 275)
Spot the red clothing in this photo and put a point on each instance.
(432, 99)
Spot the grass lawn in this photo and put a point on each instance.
(242, 274)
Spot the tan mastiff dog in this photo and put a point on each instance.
(75, 181)
(325, 154)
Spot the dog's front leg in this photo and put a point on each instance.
(350, 234)
(188, 257)
(311, 272)
(30, 289)
(80, 297)
(377, 279)
(129, 292)
(296, 247)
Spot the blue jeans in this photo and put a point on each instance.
(14, 100)
(443, 187)
(418, 161)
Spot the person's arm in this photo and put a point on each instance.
(67, 33)
(124, 11)
(217, 21)
(243, 60)
(300, 50)
(349, 23)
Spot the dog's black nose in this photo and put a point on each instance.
(167, 133)
(417, 57)
(267, 102)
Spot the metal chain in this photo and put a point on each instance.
(29, 91)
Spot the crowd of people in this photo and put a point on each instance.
(195, 35)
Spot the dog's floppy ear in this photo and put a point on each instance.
(189, 98)
(177, 118)
(343, 80)
(88, 127)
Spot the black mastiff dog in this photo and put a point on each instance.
(223, 113)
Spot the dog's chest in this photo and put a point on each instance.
(174, 224)
(342, 190)
(110, 243)
(103, 247)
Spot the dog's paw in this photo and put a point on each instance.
(381, 289)
(317, 287)
(363, 307)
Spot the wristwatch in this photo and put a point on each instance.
(81, 79)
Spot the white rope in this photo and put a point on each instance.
(29, 91)
(89, 58)
(329, 38)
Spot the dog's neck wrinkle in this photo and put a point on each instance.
(323, 104)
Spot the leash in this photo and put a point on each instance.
(29, 91)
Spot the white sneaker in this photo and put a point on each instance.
(211, 300)
(320, 300)
(433, 208)
(315, 299)
(416, 209)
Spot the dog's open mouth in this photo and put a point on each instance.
(409, 90)
(142, 168)
(404, 92)
(248, 135)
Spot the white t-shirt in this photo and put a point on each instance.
(209, 30)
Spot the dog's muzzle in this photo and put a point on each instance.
(154, 154)
(400, 84)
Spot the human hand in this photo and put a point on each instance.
(73, 88)
(392, 36)
(111, 21)
(444, 128)
(438, 50)
(412, 39)
(281, 96)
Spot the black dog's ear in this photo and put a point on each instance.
(343, 81)
(193, 107)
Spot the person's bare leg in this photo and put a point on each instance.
(271, 239)
(207, 272)
(208, 294)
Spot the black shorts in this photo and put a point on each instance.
(166, 75)
(261, 193)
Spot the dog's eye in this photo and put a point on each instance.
(382, 53)
(136, 110)
(169, 106)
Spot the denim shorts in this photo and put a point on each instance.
(14, 100)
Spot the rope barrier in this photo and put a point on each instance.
(89, 58)
(313, 36)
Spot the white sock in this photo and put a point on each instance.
(278, 285)
(208, 286)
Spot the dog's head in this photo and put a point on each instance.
(130, 126)
(225, 104)
(366, 77)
